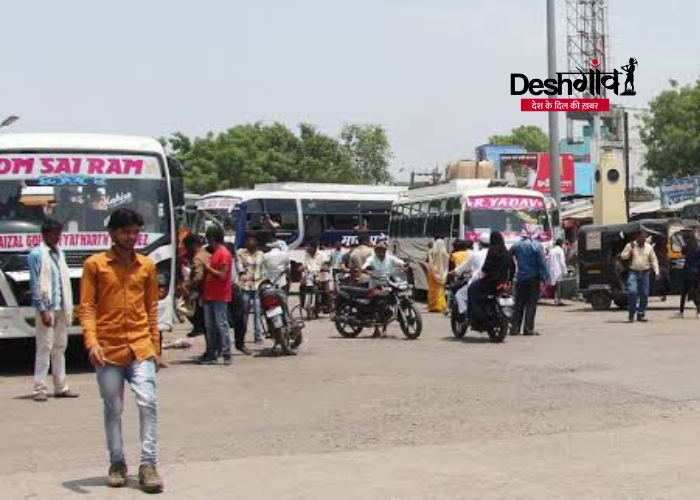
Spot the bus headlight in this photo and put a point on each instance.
(163, 274)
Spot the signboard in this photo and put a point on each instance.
(505, 203)
(218, 203)
(76, 170)
(531, 171)
(70, 241)
(678, 190)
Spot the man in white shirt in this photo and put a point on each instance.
(557, 269)
(277, 263)
(472, 266)
(642, 259)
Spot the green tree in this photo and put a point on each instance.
(370, 152)
(531, 137)
(245, 155)
(671, 132)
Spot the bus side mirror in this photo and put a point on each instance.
(177, 181)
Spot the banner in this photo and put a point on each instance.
(70, 241)
(531, 171)
(69, 169)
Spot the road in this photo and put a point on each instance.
(592, 408)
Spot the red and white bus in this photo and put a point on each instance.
(462, 209)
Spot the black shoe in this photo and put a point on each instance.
(642, 319)
(195, 333)
(631, 318)
(244, 350)
(227, 361)
(206, 361)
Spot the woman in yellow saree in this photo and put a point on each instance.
(438, 266)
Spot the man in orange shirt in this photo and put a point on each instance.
(119, 314)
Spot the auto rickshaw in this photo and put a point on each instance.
(603, 274)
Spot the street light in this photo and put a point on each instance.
(9, 121)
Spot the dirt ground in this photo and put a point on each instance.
(592, 408)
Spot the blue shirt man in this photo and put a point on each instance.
(532, 270)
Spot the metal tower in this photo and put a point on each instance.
(586, 43)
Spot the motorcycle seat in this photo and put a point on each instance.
(356, 291)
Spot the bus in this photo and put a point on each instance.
(461, 209)
(297, 212)
(79, 179)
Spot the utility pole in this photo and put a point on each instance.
(626, 126)
(554, 159)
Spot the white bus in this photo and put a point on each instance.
(297, 212)
(79, 179)
(462, 209)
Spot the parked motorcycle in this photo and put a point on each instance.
(281, 323)
(311, 295)
(497, 317)
(357, 308)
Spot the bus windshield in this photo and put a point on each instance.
(507, 214)
(80, 191)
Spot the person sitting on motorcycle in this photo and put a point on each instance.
(381, 266)
(498, 268)
(472, 268)
(316, 264)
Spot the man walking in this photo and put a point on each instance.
(642, 258)
(532, 270)
(119, 314)
(218, 284)
(251, 272)
(557, 270)
(52, 298)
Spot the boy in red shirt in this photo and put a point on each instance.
(217, 295)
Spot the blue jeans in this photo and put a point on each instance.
(252, 295)
(638, 293)
(141, 376)
(216, 319)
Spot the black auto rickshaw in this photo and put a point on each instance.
(603, 274)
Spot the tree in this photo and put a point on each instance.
(369, 151)
(531, 137)
(245, 155)
(671, 132)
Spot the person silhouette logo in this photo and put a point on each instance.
(629, 70)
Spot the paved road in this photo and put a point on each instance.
(592, 408)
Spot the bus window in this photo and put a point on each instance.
(283, 213)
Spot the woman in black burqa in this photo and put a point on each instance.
(499, 267)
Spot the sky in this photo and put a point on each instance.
(434, 73)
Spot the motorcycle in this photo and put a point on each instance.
(312, 295)
(497, 317)
(281, 323)
(357, 308)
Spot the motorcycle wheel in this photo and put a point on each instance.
(345, 329)
(459, 328)
(499, 330)
(410, 321)
(298, 339)
(281, 337)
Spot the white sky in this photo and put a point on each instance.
(435, 73)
